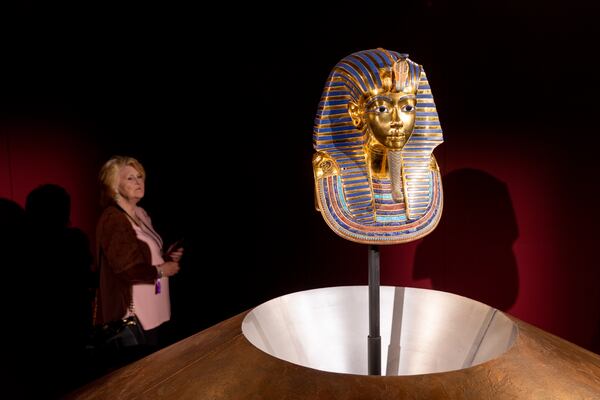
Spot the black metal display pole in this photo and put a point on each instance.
(374, 339)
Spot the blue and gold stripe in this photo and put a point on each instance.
(351, 205)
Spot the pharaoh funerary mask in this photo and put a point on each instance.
(376, 179)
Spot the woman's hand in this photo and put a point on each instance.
(175, 254)
(169, 268)
(175, 251)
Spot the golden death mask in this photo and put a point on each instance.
(376, 179)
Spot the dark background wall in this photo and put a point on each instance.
(222, 119)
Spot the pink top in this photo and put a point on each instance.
(151, 308)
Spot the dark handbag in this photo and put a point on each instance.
(125, 332)
(114, 335)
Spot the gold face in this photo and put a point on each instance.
(390, 118)
(375, 176)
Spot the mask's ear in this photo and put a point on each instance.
(357, 114)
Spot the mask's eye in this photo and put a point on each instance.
(380, 109)
(408, 108)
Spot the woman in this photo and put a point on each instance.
(133, 273)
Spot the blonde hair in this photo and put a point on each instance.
(109, 176)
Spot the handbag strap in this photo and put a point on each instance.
(131, 308)
(95, 308)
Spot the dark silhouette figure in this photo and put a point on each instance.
(61, 279)
(13, 247)
(14, 296)
(12, 236)
(470, 252)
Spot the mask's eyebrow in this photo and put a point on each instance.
(389, 99)
(379, 97)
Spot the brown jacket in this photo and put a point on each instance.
(123, 260)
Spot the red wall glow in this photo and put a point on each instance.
(514, 233)
(527, 262)
(35, 154)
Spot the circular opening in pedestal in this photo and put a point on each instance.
(422, 331)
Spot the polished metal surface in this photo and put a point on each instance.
(422, 331)
(219, 363)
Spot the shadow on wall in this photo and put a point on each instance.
(46, 294)
(470, 252)
(59, 282)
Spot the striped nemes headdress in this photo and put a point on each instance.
(355, 204)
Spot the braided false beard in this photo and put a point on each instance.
(395, 171)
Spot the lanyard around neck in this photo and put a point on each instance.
(139, 222)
